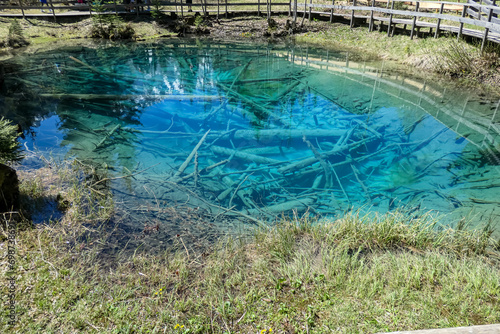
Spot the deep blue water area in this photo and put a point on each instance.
(225, 132)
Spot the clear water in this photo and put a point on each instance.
(289, 129)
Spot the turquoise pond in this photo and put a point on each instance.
(232, 133)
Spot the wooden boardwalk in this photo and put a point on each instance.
(473, 19)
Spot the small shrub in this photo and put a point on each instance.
(15, 38)
(156, 12)
(10, 148)
(198, 20)
(109, 26)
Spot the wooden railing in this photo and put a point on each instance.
(482, 17)
(480, 14)
(114, 6)
(384, 12)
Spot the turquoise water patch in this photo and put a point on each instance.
(244, 133)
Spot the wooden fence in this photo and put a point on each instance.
(385, 12)
(482, 18)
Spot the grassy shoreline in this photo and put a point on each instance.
(352, 275)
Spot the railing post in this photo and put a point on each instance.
(390, 20)
(436, 34)
(295, 5)
(116, 8)
(310, 9)
(226, 10)
(182, 9)
(22, 8)
(461, 23)
(414, 21)
(258, 7)
(53, 12)
(331, 11)
(370, 29)
(485, 37)
(352, 14)
(305, 11)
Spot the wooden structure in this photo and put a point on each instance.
(482, 19)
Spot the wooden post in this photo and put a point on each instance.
(331, 11)
(310, 8)
(370, 29)
(414, 21)
(390, 20)
(436, 34)
(461, 23)
(116, 8)
(352, 14)
(295, 11)
(305, 11)
(289, 8)
(218, 8)
(226, 10)
(22, 8)
(52, 9)
(485, 37)
(258, 7)
(182, 10)
(270, 8)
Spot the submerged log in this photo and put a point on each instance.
(205, 170)
(365, 189)
(269, 150)
(324, 165)
(108, 135)
(286, 206)
(312, 160)
(264, 136)
(184, 165)
(285, 134)
(245, 99)
(129, 97)
(244, 156)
